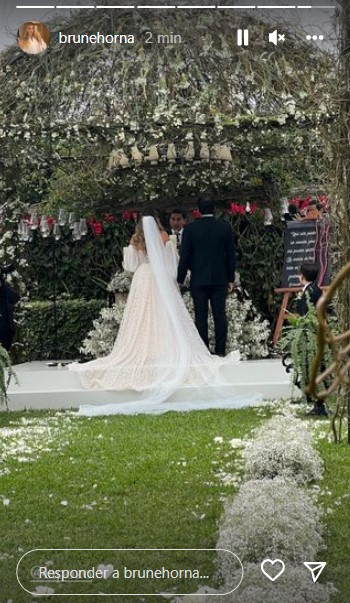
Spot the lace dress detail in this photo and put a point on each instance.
(139, 356)
(146, 355)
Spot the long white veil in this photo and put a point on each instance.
(180, 358)
(176, 353)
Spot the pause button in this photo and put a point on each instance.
(242, 37)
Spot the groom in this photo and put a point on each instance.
(208, 251)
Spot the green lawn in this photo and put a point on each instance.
(125, 482)
(337, 500)
(136, 482)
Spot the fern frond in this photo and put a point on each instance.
(6, 374)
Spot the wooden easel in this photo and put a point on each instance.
(282, 313)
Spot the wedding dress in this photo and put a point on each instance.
(158, 348)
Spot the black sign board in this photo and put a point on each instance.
(305, 242)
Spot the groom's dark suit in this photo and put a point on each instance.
(208, 251)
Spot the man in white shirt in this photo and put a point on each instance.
(177, 222)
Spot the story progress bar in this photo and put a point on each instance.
(178, 6)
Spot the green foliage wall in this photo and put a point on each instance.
(83, 269)
(80, 269)
(262, 251)
(36, 333)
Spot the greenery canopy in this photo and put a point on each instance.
(171, 120)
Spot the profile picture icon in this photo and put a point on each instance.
(33, 37)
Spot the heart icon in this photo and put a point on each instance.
(271, 563)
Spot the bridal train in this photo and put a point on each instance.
(158, 349)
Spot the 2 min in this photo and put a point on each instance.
(169, 38)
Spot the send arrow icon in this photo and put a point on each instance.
(316, 568)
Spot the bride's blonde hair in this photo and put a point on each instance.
(138, 238)
(25, 34)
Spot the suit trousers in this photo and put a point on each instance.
(6, 338)
(216, 295)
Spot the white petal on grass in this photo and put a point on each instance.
(43, 590)
(236, 443)
(24, 440)
(107, 569)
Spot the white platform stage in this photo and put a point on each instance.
(43, 387)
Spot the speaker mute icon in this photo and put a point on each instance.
(275, 37)
(316, 568)
(242, 37)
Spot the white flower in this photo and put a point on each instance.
(283, 446)
(120, 282)
(271, 518)
(100, 339)
(236, 443)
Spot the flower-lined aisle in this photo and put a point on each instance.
(276, 514)
(90, 478)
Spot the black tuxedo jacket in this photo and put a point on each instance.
(208, 251)
(311, 293)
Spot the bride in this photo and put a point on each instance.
(158, 348)
(30, 39)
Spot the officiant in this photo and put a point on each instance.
(177, 223)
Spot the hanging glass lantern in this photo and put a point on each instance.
(44, 227)
(62, 217)
(57, 232)
(83, 227)
(33, 220)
